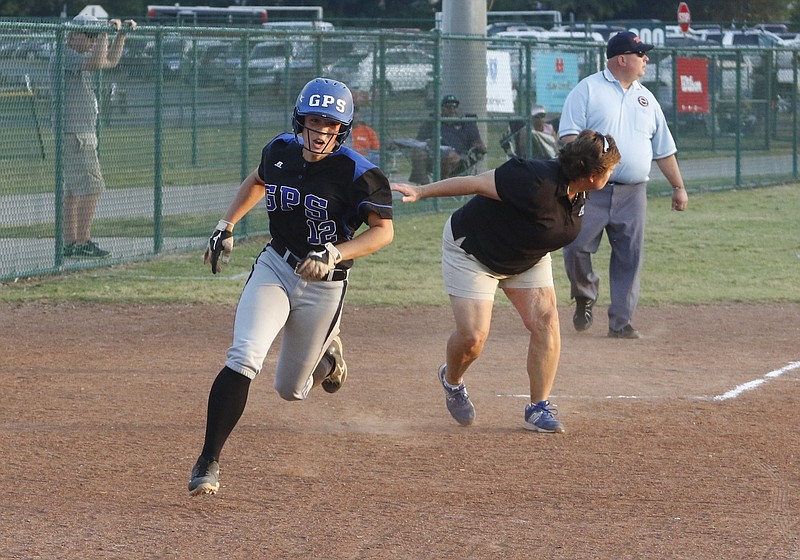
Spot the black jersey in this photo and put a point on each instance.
(310, 204)
(533, 217)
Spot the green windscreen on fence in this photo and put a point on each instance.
(183, 116)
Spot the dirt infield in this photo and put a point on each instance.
(103, 410)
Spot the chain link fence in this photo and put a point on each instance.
(183, 117)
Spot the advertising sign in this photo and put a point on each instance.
(693, 85)
(499, 91)
(556, 75)
(652, 32)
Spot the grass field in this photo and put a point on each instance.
(729, 246)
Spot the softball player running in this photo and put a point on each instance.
(318, 193)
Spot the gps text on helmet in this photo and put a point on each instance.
(317, 100)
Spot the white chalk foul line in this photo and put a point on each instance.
(526, 396)
(733, 393)
(736, 391)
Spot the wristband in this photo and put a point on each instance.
(222, 225)
(676, 187)
(337, 256)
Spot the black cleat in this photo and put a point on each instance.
(582, 319)
(205, 477)
(625, 332)
(335, 379)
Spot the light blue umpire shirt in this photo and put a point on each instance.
(633, 117)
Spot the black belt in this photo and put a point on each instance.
(335, 275)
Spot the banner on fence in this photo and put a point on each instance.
(499, 93)
(693, 85)
(556, 75)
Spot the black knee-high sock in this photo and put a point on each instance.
(226, 403)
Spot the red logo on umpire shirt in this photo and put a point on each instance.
(643, 101)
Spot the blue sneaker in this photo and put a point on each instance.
(540, 417)
(457, 400)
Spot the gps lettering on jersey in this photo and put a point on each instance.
(325, 101)
(321, 229)
(284, 199)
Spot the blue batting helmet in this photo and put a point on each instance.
(328, 99)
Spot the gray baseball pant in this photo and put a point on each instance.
(274, 299)
(621, 211)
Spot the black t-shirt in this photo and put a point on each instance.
(310, 204)
(533, 217)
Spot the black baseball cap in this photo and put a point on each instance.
(450, 100)
(625, 42)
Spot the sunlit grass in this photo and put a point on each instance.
(729, 246)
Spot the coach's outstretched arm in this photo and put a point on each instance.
(482, 184)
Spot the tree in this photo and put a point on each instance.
(53, 8)
(597, 10)
(724, 12)
(420, 13)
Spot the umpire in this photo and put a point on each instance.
(613, 101)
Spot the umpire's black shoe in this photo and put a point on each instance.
(625, 332)
(205, 477)
(582, 319)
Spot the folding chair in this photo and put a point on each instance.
(514, 142)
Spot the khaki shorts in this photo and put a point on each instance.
(82, 175)
(465, 277)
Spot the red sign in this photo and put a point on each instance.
(693, 85)
(684, 17)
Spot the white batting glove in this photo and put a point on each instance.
(318, 264)
(219, 244)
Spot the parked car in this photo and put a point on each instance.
(176, 51)
(303, 25)
(266, 61)
(685, 40)
(140, 57)
(25, 47)
(212, 57)
(604, 29)
(592, 37)
(500, 26)
(407, 69)
(760, 44)
(776, 28)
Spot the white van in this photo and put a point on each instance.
(298, 25)
(576, 36)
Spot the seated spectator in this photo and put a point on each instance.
(461, 143)
(538, 122)
(363, 139)
(544, 141)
